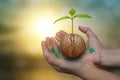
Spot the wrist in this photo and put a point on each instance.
(110, 57)
(103, 56)
(87, 66)
(97, 57)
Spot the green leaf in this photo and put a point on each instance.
(65, 17)
(72, 12)
(82, 16)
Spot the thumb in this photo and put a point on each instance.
(87, 31)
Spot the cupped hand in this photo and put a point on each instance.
(75, 67)
(92, 43)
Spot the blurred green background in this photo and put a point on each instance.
(24, 23)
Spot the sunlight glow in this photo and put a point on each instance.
(44, 26)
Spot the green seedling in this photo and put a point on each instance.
(72, 45)
(72, 16)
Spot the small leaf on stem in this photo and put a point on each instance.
(72, 12)
(65, 17)
(82, 16)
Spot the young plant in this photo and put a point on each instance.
(72, 16)
(72, 45)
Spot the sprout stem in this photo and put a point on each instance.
(72, 25)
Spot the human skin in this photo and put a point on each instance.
(110, 57)
(85, 67)
(92, 42)
(101, 56)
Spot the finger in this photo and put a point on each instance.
(59, 36)
(49, 43)
(92, 38)
(56, 49)
(58, 62)
(54, 43)
(63, 33)
(43, 45)
(44, 48)
(87, 47)
(53, 60)
(87, 31)
(50, 57)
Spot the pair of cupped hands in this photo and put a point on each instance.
(77, 66)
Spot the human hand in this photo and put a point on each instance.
(75, 67)
(92, 43)
(80, 67)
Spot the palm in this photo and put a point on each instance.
(92, 42)
(67, 66)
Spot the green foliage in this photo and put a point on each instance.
(73, 15)
(72, 12)
(82, 16)
(65, 17)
